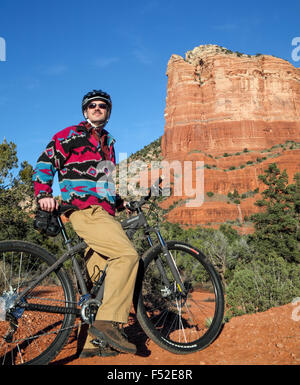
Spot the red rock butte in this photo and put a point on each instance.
(238, 113)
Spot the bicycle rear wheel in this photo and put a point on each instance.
(32, 333)
(179, 323)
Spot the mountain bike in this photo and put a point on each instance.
(178, 300)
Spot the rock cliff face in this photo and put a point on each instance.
(237, 113)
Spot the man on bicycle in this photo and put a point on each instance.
(82, 155)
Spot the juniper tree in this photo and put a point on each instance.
(16, 194)
(277, 225)
(17, 202)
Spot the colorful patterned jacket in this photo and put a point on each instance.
(84, 168)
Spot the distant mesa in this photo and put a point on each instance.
(237, 113)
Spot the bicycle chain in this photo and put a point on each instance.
(47, 334)
(75, 326)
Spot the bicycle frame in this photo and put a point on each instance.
(131, 225)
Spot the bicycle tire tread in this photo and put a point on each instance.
(53, 350)
(215, 329)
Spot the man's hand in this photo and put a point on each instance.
(128, 212)
(48, 204)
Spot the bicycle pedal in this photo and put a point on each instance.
(104, 349)
(99, 343)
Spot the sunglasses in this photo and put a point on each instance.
(103, 106)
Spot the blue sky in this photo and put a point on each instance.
(58, 50)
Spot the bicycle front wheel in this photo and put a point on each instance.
(180, 323)
(35, 331)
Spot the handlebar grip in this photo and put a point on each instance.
(131, 205)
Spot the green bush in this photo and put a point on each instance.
(262, 284)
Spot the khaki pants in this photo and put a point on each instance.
(105, 236)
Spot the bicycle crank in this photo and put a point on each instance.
(89, 310)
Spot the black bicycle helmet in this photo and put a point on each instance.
(96, 94)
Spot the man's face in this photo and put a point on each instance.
(96, 112)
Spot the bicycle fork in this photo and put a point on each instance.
(171, 263)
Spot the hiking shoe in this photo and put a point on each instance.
(106, 351)
(89, 353)
(110, 332)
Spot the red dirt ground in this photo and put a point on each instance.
(269, 338)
